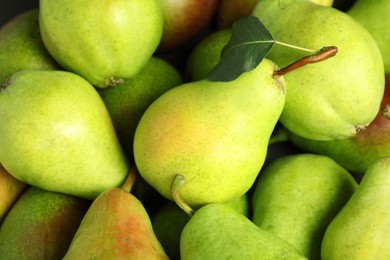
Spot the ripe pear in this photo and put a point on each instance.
(206, 54)
(41, 225)
(357, 153)
(116, 226)
(338, 97)
(127, 102)
(184, 20)
(56, 134)
(361, 229)
(102, 41)
(230, 11)
(21, 46)
(297, 196)
(11, 189)
(168, 223)
(217, 231)
(214, 135)
(373, 15)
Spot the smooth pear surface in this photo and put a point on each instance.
(335, 98)
(56, 134)
(214, 134)
(105, 41)
(216, 231)
(297, 196)
(361, 229)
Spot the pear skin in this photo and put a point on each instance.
(297, 196)
(11, 189)
(41, 225)
(21, 46)
(116, 226)
(357, 153)
(56, 134)
(361, 229)
(373, 16)
(230, 11)
(217, 231)
(105, 42)
(214, 134)
(335, 98)
(127, 102)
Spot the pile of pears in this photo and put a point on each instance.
(116, 143)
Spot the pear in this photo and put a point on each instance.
(230, 11)
(21, 45)
(338, 97)
(116, 226)
(11, 189)
(41, 225)
(373, 15)
(206, 54)
(297, 196)
(56, 134)
(216, 231)
(184, 21)
(127, 102)
(357, 153)
(214, 135)
(168, 223)
(361, 229)
(104, 41)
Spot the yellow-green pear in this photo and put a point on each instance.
(336, 98)
(297, 196)
(56, 134)
(373, 15)
(212, 134)
(361, 229)
(102, 41)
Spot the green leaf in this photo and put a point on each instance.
(249, 44)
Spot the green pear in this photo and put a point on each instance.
(168, 223)
(11, 189)
(103, 41)
(216, 231)
(214, 135)
(56, 134)
(116, 226)
(127, 102)
(41, 225)
(338, 97)
(206, 54)
(361, 229)
(297, 196)
(357, 153)
(21, 46)
(184, 21)
(373, 15)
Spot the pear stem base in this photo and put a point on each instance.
(177, 183)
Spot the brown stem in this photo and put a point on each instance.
(323, 54)
(177, 183)
(128, 184)
(385, 110)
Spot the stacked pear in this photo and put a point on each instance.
(103, 41)
(41, 225)
(217, 231)
(297, 196)
(361, 229)
(116, 226)
(213, 134)
(56, 134)
(336, 98)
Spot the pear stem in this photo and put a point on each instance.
(385, 110)
(177, 183)
(323, 54)
(128, 184)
